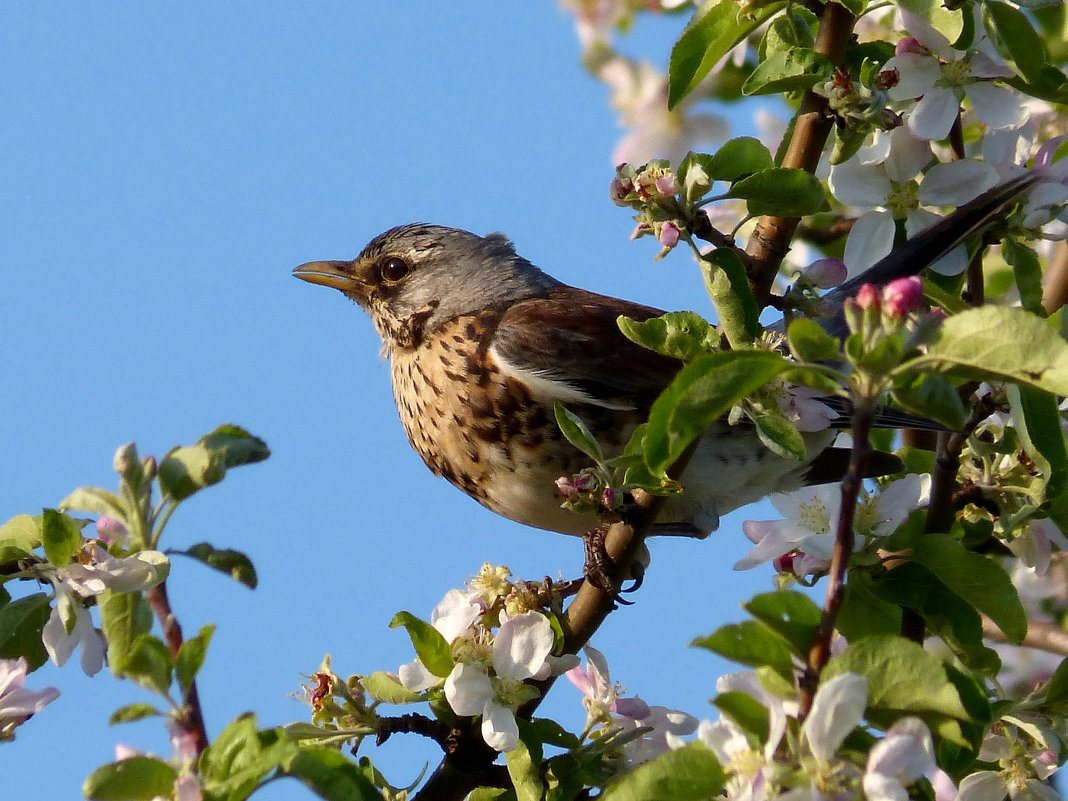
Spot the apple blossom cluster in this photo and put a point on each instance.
(19, 703)
(482, 645)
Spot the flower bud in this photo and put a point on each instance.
(902, 297)
(666, 186)
(110, 530)
(826, 273)
(608, 498)
(867, 298)
(566, 487)
(619, 189)
(669, 235)
(908, 44)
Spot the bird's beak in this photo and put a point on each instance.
(336, 274)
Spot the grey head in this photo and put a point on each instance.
(414, 278)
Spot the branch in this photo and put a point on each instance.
(820, 652)
(771, 238)
(1041, 635)
(190, 718)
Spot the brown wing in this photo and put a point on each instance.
(570, 338)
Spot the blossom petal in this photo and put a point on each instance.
(933, 115)
(836, 710)
(521, 645)
(455, 613)
(871, 238)
(956, 182)
(908, 155)
(856, 184)
(415, 677)
(997, 106)
(499, 728)
(985, 785)
(468, 689)
(917, 74)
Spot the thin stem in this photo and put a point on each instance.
(820, 652)
(190, 718)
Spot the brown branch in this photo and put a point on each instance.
(1055, 281)
(771, 238)
(1041, 635)
(843, 549)
(190, 718)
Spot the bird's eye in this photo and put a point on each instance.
(394, 269)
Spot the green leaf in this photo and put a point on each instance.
(780, 192)
(931, 396)
(948, 23)
(690, 773)
(61, 537)
(524, 763)
(749, 643)
(125, 618)
(791, 615)
(682, 335)
(149, 664)
(330, 775)
(191, 658)
(233, 563)
(810, 343)
(430, 646)
(95, 500)
(133, 712)
(977, 579)
(233, 765)
(18, 537)
(1057, 686)
(864, 613)
(703, 391)
(387, 690)
(1012, 34)
(1041, 433)
(139, 778)
(186, 470)
(737, 158)
(780, 436)
(997, 342)
(716, 27)
(21, 622)
(746, 711)
(1028, 273)
(903, 679)
(788, 71)
(577, 434)
(913, 586)
(728, 286)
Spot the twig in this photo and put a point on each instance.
(190, 718)
(843, 548)
(1055, 282)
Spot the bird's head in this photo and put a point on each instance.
(414, 278)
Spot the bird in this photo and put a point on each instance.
(482, 345)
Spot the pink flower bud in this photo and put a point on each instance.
(867, 297)
(665, 185)
(909, 44)
(669, 235)
(566, 487)
(109, 530)
(608, 498)
(826, 273)
(903, 296)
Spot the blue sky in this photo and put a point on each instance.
(164, 167)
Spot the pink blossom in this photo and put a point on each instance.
(903, 296)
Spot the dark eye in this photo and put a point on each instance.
(394, 269)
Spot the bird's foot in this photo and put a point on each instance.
(598, 567)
